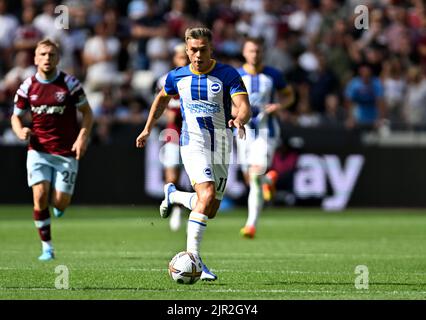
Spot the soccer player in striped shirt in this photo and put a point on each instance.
(268, 93)
(56, 140)
(207, 90)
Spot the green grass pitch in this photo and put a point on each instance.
(123, 252)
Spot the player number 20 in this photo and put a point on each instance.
(68, 177)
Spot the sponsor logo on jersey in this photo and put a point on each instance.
(33, 97)
(60, 96)
(48, 109)
(206, 107)
(215, 87)
(208, 172)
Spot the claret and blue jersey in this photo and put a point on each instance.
(205, 99)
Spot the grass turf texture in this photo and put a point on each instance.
(123, 253)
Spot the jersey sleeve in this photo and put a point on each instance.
(21, 102)
(279, 80)
(235, 83)
(170, 85)
(76, 91)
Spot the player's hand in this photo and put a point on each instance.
(25, 134)
(237, 124)
(141, 139)
(272, 108)
(79, 147)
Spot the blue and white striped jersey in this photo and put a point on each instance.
(262, 88)
(205, 99)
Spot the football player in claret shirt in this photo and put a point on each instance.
(56, 140)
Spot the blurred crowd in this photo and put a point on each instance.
(342, 75)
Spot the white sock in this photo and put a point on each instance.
(46, 245)
(255, 200)
(187, 199)
(197, 224)
(175, 218)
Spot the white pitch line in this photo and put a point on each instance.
(230, 290)
(136, 269)
(235, 256)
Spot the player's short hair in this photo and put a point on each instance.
(49, 43)
(259, 41)
(198, 33)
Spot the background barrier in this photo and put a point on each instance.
(333, 170)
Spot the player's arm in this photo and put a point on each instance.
(20, 108)
(242, 111)
(160, 104)
(80, 144)
(286, 98)
(22, 132)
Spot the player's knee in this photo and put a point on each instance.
(41, 197)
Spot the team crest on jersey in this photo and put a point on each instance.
(215, 87)
(208, 172)
(60, 96)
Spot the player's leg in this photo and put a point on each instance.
(257, 158)
(207, 179)
(271, 177)
(172, 196)
(255, 201)
(60, 201)
(41, 217)
(171, 163)
(64, 179)
(205, 209)
(39, 179)
(172, 176)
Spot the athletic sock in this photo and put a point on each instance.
(42, 223)
(255, 200)
(187, 199)
(197, 224)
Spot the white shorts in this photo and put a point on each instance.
(60, 171)
(258, 148)
(201, 168)
(170, 155)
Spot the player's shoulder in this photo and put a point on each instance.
(223, 70)
(180, 71)
(224, 67)
(271, 71)
(71, 81)
(25, 86)
(242, 71)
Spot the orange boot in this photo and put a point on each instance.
(248, 232)
(269, 188)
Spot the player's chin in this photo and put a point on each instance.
(47, 69)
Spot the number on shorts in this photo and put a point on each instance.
(69, 177)
(222, 184)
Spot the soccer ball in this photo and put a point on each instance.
(185, 268)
